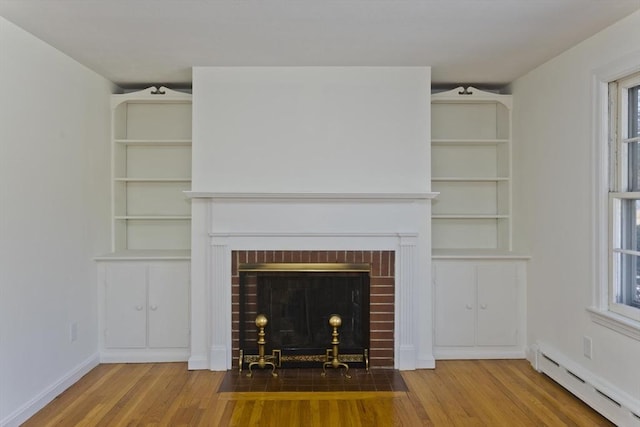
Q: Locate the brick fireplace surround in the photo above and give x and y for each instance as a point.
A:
(390, 230)
(382, 291)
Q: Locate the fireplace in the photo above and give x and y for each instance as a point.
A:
(298, 299)
(390, 232)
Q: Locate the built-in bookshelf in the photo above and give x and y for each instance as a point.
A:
(151, 170)
(471, 169)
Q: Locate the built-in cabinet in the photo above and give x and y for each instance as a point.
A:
(479, 307)
(151, 170)
(144, 310)
(471, 169)
(479, 283)
(144, 282)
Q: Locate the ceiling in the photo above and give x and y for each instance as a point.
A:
(489, 42)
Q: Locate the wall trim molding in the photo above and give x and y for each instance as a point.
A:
(218, 238)
(145, 356)
(395, 197)
(43, 398)
(615, 322)
(456, 353)
(197, 363)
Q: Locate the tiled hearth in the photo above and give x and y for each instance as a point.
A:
(382, 283)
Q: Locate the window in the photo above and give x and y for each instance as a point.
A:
(624, 197)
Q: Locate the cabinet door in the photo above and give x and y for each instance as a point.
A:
(125, 305)
(497, 304)
(455, 304)
(169, 305)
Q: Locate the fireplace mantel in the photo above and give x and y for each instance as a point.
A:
(223, 222)
(407, 197)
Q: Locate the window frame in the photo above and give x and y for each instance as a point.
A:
(619, 187)
(601, 311)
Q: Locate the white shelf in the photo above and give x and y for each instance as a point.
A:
(152, 179)
(455, 254)
(468, 216)
(148, 254)
(469, 141)
(153, 142)
(153, 217)
(468, 179)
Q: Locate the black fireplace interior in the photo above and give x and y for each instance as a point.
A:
(298, 305)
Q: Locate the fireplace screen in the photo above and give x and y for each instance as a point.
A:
(298, 300)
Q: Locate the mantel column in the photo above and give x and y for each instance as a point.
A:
(220, 314)
(405, 295)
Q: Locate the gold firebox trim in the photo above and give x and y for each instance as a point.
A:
(305, 267)
(277, 357)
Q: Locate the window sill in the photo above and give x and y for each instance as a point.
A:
(616, 322)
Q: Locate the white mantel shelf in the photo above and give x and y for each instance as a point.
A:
(477, 254)
(407, 197)
(145, 254)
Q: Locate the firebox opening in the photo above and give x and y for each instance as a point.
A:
(298, 299)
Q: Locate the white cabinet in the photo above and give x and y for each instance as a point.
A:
(479, 308)
(144, 309)
(471, 169)
(144, 281)
(151, 168)
(125, 302)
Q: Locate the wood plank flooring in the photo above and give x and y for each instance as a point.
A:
(457, 393)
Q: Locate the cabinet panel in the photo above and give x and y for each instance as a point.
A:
(479, 308)
(497, 304)
(169, 305)
(455, 304)
(144, 308)
(125, 305)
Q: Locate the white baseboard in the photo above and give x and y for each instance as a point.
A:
(198, 363)
(426, 363)
(27, 410)
(219, 358)
(613, 403)
(454, 353)
(406, 358)
(144, 356)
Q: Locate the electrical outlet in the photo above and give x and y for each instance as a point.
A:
(73, 331)
(587, 347)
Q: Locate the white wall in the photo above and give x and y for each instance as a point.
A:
(54, 206)
(554, 204)
(311, 129)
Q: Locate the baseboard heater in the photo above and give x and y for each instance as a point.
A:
(612, 404)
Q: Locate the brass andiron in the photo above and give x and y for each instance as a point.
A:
(335, 321)
(263, 361)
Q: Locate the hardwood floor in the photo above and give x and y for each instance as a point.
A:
(457, 393)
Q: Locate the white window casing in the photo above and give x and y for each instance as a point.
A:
(611, 142)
